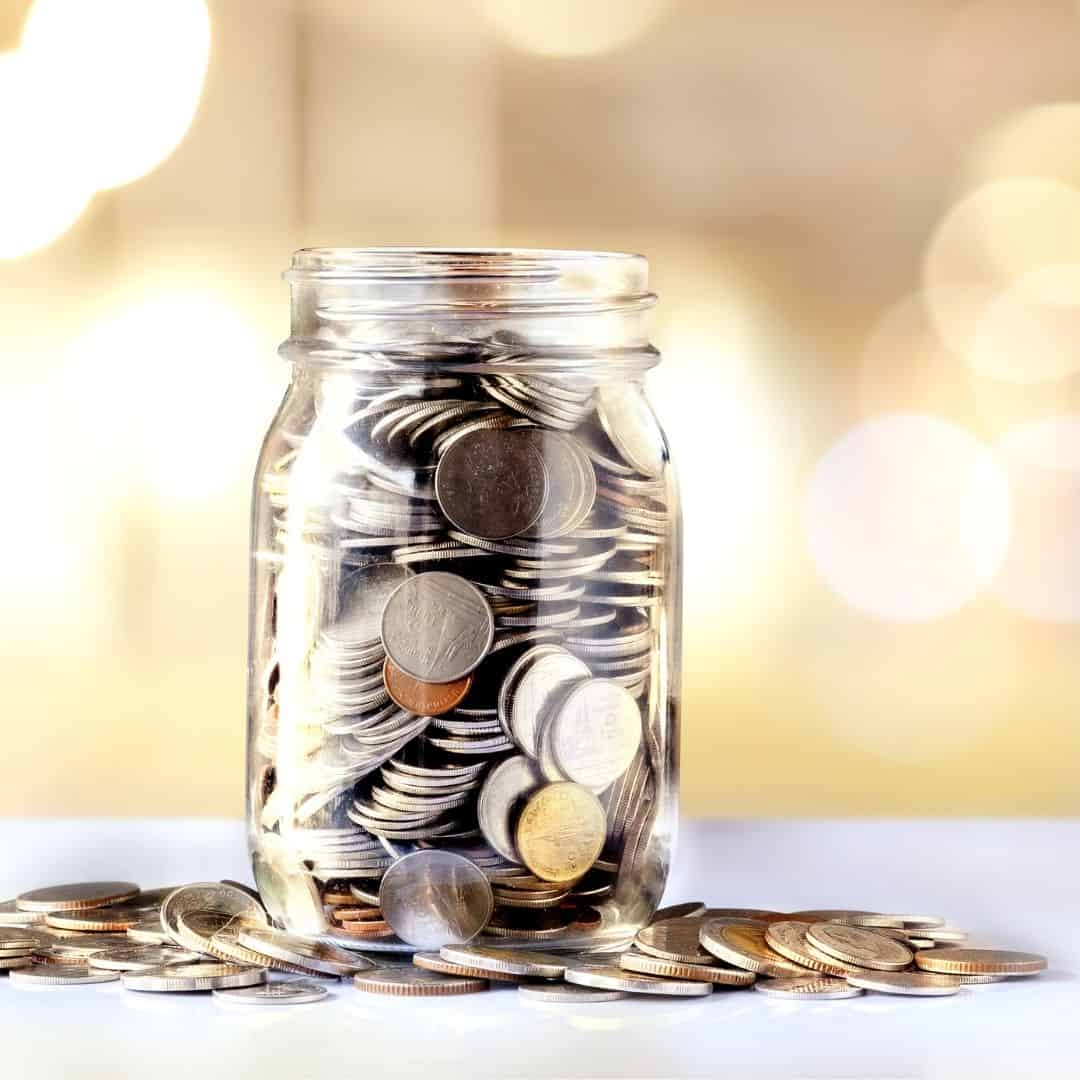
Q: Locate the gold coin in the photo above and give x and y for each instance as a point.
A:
(78, 896)
(432, 961)
(561, 832)
(789, 939)
(859, 946)
(676, 939)
(980, 962)
(416, 982)
(808, 988)
(100, 919)
(745, 947)
(644, 964)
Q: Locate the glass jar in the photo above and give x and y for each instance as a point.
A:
(465, 605)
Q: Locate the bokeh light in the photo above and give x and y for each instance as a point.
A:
(1041, 141)
(132, 73)
(572, 27)
(42, 192)
(908, 517)
(1041, 575)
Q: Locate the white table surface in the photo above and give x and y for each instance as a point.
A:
(1012, 884)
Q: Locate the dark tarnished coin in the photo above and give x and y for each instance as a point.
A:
(492, 484)
(423, 698)
(416, 982)
(78, 896)
(434, 898)
(437, 627)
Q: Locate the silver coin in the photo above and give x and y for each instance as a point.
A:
(807, 988)
(140, 958)
(595, 732)
(434, 898)
(364, 594)
(292, 992)
(207, 896)
(504, 790)
(492, 484)
(908, 983)
(505, 961)
(11, 938)
(629, 423)
(568, 993)
(12, 915)
(571, 483)
(437, 627)
(11, 960)
(61, 975)
(412, 981)
(187, 978)
(317, 955)
(539, 676)
(609, 977)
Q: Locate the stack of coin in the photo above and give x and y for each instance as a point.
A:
(464, 652)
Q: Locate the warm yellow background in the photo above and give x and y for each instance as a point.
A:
(786, 166)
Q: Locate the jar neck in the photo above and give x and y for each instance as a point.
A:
(462, 308)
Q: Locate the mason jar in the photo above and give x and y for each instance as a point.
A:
(465, 605)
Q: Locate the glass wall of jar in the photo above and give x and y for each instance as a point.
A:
(465, 605)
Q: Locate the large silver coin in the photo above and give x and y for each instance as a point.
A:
(908, 983)
(294, 992)
(492, 484)
(318, 955)
(609, 977)
(571, 483)
(569, 994)
(364, 595)
(437, 627)
(435, 898)
(537, 965)
(536, 680)
(629, 423)
(595, 733)
(61, 975)
(503, 793)
(209, 896)
(186, 978)
(140, 958)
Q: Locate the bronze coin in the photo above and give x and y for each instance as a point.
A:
(424, 698)
(77, 897)
(101, 919)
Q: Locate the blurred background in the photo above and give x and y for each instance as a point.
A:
(864, 225)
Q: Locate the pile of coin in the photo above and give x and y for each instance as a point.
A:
(462, 644)
(217, 936)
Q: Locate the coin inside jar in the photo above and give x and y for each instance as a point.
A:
(561, 832)
(423, 698)
(492, 484)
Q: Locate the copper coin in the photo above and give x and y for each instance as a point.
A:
(102, 919)
(344, 913)
(980, 962)
(432, 961)
(78, 896)
(424, 698)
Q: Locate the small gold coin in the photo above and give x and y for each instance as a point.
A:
(859, 946)
(808, 988)
(432, 961)
(78, 896)
(644, 964)
(416, 982)
(980, 962)
(677, 940)
(789, 939)
(561, 832)
(744, 946)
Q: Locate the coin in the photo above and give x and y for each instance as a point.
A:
(561, 831)
(416, 982)
(862, 947)
(11, 960)
(533, 683)
(317, 955)
(909, 983)
(101, 919)
(78, 896)
(12, 915)
(492, 484)
(645, 964)
(61, 975)
(437, 627)
(434, 898)
(506, 788)
(423, 698)
(364, 595)
(674, 939)
(744, 946)
(595, 732)
(506, 961)
(568, 993)
(980, 962)
(208, 896)
(139, 958)
(680, 911)
(898, 922)
(807, 988)
(187, 978)
(431, 961)
(629, 423)
(609, 977)
(293, 992)
(789, 939)
(16, 939)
